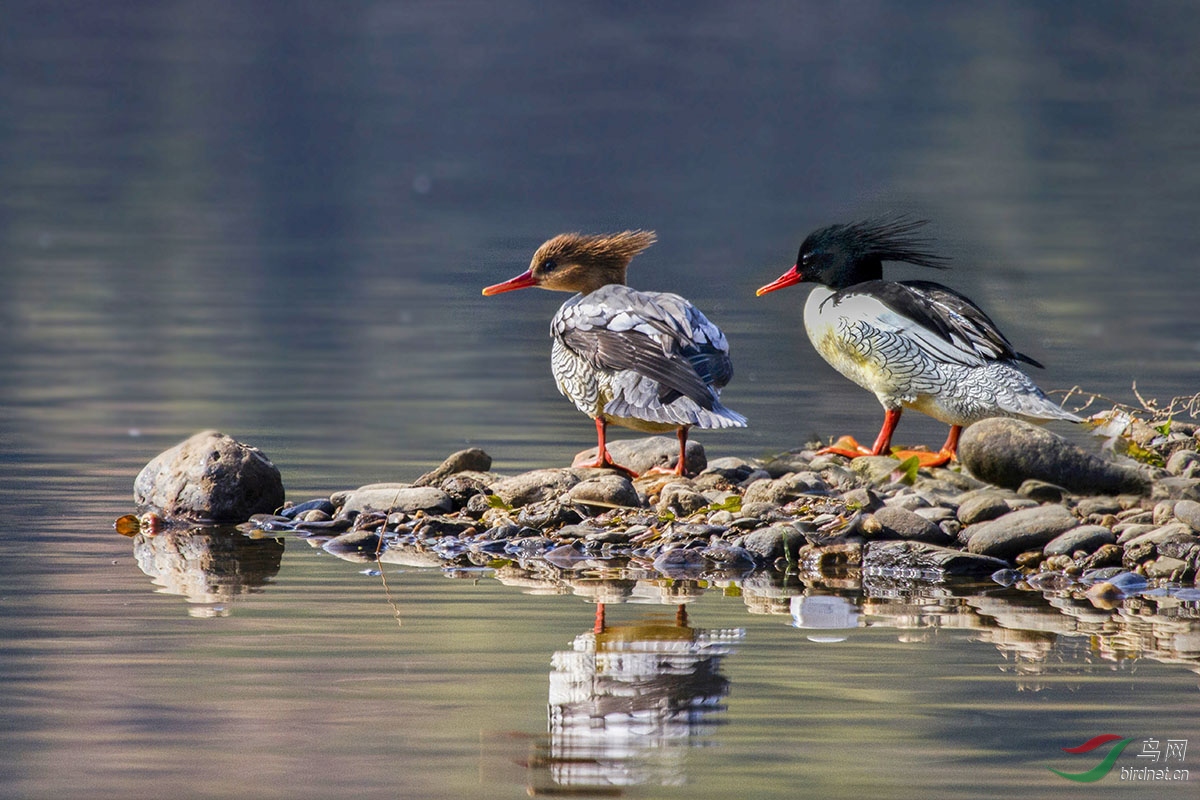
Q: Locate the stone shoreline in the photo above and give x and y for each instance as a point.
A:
(797, 511)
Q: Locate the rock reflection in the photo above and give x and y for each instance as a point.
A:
(210, 567)
(627, 701)
(1051, 625)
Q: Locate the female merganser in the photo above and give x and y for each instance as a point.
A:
(645, 360)
(915, 344)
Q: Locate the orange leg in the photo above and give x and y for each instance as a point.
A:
(679, 468)
(948, 453)
(849, 447)
(603, 460)
(598, 625)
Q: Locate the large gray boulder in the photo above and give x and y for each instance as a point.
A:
(1008, 452)
(209, 477)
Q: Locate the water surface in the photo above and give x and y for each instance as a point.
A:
(274, 219)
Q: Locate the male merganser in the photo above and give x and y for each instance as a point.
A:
(645, 360)
(915, 344)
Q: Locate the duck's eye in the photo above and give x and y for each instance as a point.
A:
(549, 265)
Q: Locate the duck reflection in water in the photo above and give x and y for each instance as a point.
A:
(627, 700)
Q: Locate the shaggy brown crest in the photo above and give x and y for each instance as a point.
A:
(581, 262)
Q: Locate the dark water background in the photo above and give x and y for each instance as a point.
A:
(274, 219)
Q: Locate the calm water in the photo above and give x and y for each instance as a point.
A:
(274, 219)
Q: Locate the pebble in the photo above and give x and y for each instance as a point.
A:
(1088, 538)
(1037, 526)
(1018, 531)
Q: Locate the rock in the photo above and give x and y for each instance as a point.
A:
(1007, 452)
(605, 491)
(1098, 505)
(894, 522)
(1188, 512)
(681, 563)
(470, 460)
(774, 543)
(531, 487)
(643, 455)
(1174, 533)
(875, 469)
(902, 558)
(1041, 491)
(982, 506)
(733, 470)
(1167, 568)
(1018, 531)
(462, 487)
(210, 477)
(1088, 538)
(546, 514)
(782, 491)
(681, 500)
(782, 464)
(1181, 460)
(389, 497)
(355, 546)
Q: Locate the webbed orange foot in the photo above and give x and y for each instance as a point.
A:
(925, 458)
(846, 446)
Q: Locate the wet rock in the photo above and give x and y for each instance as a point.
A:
(462, 487)
(983, 505)
(681, 563)
(209, 476)
(1088, 538)
(605, 491)
(531, 487)
(355, 545)
(1188, 512)
(1167, 568)
(918, 559)
(892, 522)
(1007, 452)
(389, 497)
(643, 455)
(547, 514)
(1014, 533)
(730, 557)
(297, 511)
(470, 460)
(774, 543)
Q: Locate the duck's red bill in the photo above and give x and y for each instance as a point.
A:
(522, 281)
(786, 279)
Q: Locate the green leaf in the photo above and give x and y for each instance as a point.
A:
(906, 473)
(1144, 455)
(732, 504)
(495, 502)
